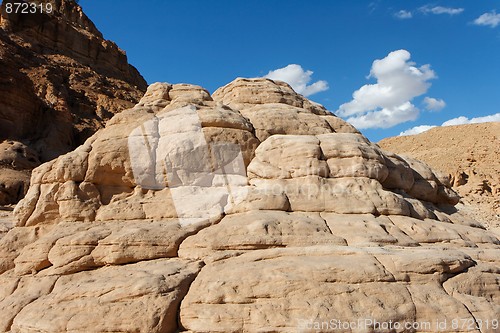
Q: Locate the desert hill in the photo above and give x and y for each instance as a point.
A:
(60, 81)
(470, 154)
(248, 210)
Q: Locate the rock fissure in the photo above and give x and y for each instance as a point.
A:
(477, 324)
(178, 310)
(414, 318)
(25, 304)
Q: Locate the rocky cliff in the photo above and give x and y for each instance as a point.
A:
(470, 155)
(251, 210)
(60, 81)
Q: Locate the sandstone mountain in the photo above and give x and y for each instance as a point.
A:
(248, 210)
(60, 81)
(470, 154)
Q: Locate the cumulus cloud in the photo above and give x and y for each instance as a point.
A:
(416, 130)
(491, 19)
(299, 79)
(455, 121)
(440, 10)
(386, 117)
(388, 102)
(433, 104)
(403, 14)
(464, 120)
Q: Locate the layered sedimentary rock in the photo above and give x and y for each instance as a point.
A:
(250, 210)
(60, 80)
(16, 162)
(470, 155)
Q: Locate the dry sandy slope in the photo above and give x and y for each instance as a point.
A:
(470, 154)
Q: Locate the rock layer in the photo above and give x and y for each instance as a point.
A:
(217, 215)
(60, 81)
(470, 155)
(16, 162)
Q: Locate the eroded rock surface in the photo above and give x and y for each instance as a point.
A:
(16, 162)
(250, 210)
(470, 155)
(60, 81)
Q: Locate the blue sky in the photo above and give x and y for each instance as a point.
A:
(440, 55)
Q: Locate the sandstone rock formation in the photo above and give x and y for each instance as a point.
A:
(60, 81)
(470, 155)
(6, 222)
(251, 210)
(16, 162)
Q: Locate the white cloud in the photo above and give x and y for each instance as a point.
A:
(299, 79)
(491, 19)
(372, 6)
(440, 10)
(403, 14)
(388, 102)
(416, 130)
(386, 117)
(455, 121)
(464, 120)
(433, 104)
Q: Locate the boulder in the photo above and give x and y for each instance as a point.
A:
(250, 210)
(16, 162)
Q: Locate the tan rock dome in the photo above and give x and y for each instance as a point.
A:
(253, 209)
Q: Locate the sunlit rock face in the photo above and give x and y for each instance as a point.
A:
(470, 154)
(60, 81)
(248, 210)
